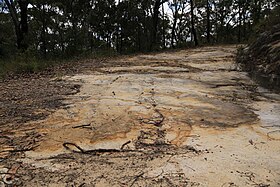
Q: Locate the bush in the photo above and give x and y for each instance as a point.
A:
(266, 24)
(21, 63)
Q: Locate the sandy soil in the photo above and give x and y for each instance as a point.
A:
(185, 118)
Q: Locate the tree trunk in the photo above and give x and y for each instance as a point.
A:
(155, 23)
(44, 32)
(192, 23)
(22, 43)
(61, 35)
(208, 21)
(174, 23)
(121, 41)
(155, 17)
(257, 6)
(163, 28)
(90, 33)
(74, 26)
(244, 24)
(21, 26)
(138, 36)
(239, 21)
(216, 24)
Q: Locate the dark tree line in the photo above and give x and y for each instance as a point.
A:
(66, 28)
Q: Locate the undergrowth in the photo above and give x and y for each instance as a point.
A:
(29, 63)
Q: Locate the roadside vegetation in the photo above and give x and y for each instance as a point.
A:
(262, 57)
(36, 34)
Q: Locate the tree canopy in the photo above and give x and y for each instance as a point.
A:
(66, 28)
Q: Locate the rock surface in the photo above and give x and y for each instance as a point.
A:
(185, 118)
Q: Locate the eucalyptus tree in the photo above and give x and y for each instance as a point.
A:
(66, 28)
(6, 36)
(180, 29)
(194, 33)
(20, 21)
(208, 7)
(155, 19)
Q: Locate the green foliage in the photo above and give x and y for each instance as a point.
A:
(28, 62)
(7, 39)
(272, 19)
(60, 29)
(22, 63)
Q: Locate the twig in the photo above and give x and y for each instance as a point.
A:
(154, 122)
(170, 158)
(66, 145)
(223, 85)
(161, 116)
(155, 176)
(128, 142)
(266, 127)
(83, 184)
(20, 150)
(81, 126)
(136, 178)
(81, 150)
(190, 168)
(8, 179)
(191, 148)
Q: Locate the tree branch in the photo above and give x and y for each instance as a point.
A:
(13, 12)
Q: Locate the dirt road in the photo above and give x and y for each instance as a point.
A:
(185, 118)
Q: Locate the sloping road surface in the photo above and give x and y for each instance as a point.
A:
(185, 118)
